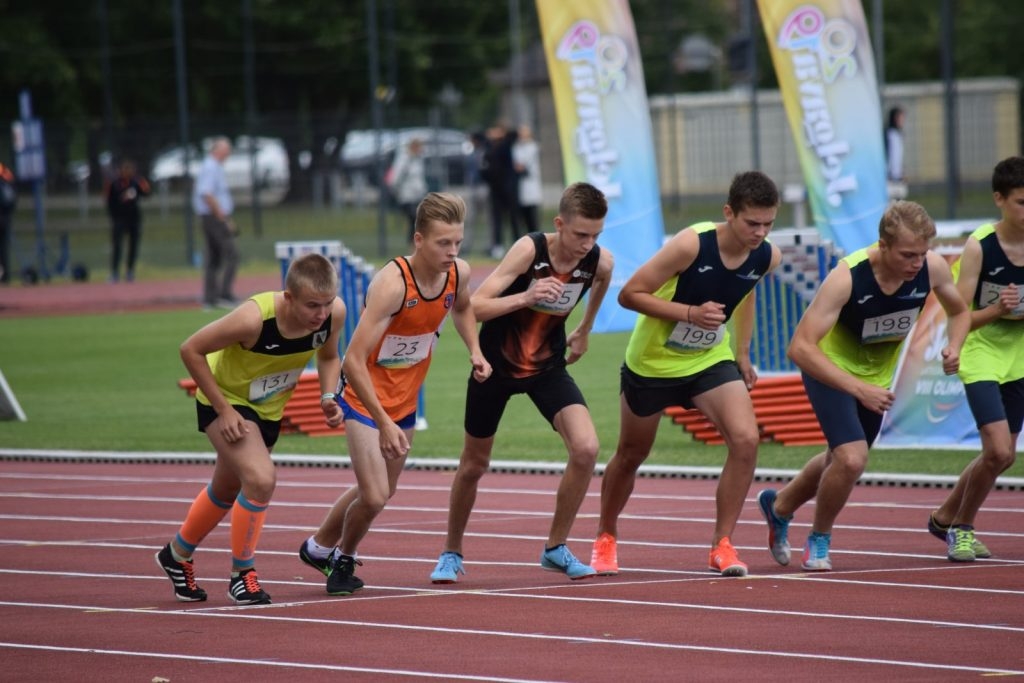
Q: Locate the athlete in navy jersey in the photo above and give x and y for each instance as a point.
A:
(846, 345)
(991, 276)
(680, 355)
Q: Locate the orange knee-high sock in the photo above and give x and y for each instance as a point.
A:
(203, 517)
(246, 523)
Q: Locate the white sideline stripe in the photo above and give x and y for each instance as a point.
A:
(338, 461)
(448, 631)
(262, 662)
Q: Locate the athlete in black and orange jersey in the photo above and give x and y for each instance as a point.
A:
(680, 355)
(524, 304)
(385, 365)
(246, 365)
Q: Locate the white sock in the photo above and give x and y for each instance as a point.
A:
(318, 551)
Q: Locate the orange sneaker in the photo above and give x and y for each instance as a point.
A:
(724, 560)
(603, 557)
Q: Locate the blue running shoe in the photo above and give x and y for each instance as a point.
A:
(816, 557)
(448, 568)
(559, 559)
(778, 527)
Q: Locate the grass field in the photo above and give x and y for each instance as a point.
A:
(110, 381)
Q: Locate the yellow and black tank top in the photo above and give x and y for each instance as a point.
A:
(872, 325)
(263, 377)
(994, 352)
(670, 349)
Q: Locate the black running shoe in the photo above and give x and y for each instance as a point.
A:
(181, 574)
(323, 566)
(342, 580)
(245, 589)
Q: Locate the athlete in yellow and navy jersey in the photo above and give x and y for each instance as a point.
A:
(991, 277)
(846, 346)
(680, 354)
(245, 366)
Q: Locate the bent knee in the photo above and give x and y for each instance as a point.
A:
(1001, 459)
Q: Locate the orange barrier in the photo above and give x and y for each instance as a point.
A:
(783, 414)
(302, 414)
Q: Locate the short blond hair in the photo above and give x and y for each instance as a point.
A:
(311, 272)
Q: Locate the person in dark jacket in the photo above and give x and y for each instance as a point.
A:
(125, 218)
(8, 199)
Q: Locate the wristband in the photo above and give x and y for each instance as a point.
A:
(329, 396)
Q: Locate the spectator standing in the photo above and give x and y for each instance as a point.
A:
(123, 196)
(408, 181)
(8, 200)
(894, 154)
(502, 184)
(476, 193)
(526, 161)
(211, 201)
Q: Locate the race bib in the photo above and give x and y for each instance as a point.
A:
(563, 304)
(889, 327)
(989, 295)
(690, 337)
(401, 351)
(263, 388)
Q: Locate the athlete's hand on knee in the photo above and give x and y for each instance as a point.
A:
(393, 444)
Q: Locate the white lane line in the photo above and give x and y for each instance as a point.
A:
(276, 663)
(629, 643)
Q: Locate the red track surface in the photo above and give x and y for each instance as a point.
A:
(83, 599)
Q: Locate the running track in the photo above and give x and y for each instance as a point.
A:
(84, 601)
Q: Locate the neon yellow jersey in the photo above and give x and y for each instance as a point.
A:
(872, 326)
(994, 352)
(264, 377)
(669, 348)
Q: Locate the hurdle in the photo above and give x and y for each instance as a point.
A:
(783, 295)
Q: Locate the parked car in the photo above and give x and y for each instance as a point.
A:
(272, 172)
(446, 151)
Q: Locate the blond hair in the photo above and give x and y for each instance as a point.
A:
(909, 215)
(443, 207)
(311, 272)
